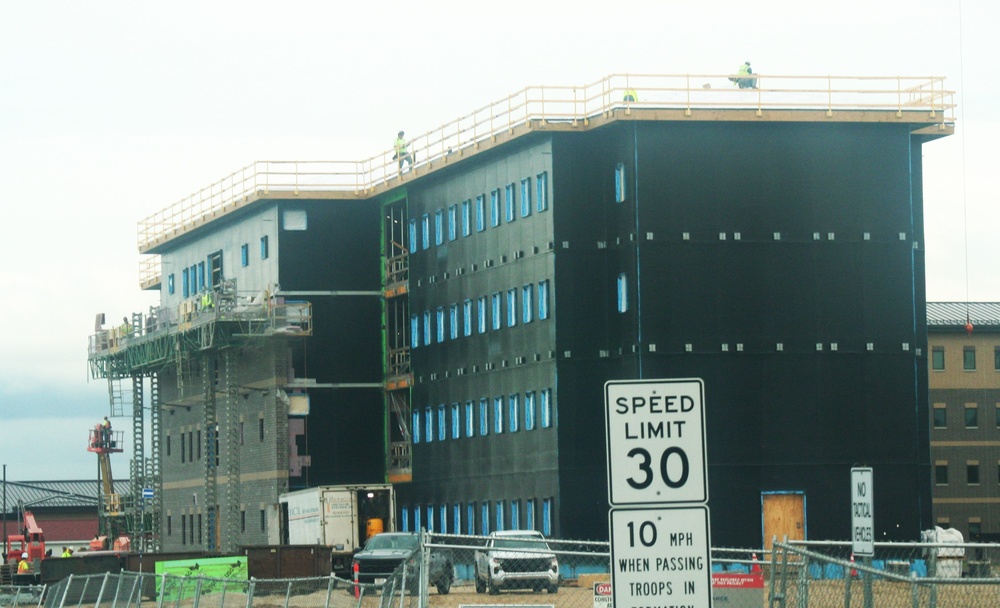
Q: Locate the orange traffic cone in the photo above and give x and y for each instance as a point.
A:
(755, 567)
(854, 573)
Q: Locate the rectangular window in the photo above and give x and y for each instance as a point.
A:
(265, 250)
(997, 415)
(511, 307)
(941, 474)
(937, 358)
(484, 418)
(191, 446)
(620, 183)
(969, 358)
(201, 276)
(439, 227)
(185, 283)
(484, 518)
(443, 513)
(542, 191)
(940, 416)
(515, 514)
(527, 306)
(405, 513)
(495, 208)
(416, 518)
(480, 213)
(498, 415)
(260, 429)
(415, 330)
(547, 517)
(513, 411)
(430, 518)
(183, 450)
(546, 408)
(972, 472)
(529, 411)
(168, 445)
(428, 335)
(971, 416)
(996, 351)
(481, 315)
(243, 521)
(497, 310)
(215, 268)
(499, 515)
(244, 254)
(543, 299)
(466, 220)
(199, 444)
(470, 422)
(170, 525)
(415, 425)
(526, 197)
(456, 518)
(509, 203)
(470, 518)
(425, 231)
(428, 424)
(170, 284)
(456, 421)
(529, 514)
(184, 529)
(453, 321)
(199, 528)
(452, 222)
(413, 236)
(467, 318)
(622, 293)
(440, 324)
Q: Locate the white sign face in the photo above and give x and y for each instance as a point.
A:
(660, 557)
(656, 442)
(862, 513)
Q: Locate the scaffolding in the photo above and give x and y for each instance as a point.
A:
(398, 373)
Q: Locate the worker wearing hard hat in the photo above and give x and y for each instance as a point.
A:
(24, 566)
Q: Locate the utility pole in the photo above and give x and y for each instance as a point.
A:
(5, 508)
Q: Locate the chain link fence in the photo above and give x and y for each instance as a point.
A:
(457, 571)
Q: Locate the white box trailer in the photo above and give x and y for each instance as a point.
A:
(340, 517)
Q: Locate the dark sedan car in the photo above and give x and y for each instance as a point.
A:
(384, 552)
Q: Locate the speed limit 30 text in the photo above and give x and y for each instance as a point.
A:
(654, 404)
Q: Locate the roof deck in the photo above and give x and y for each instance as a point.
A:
(920, 101)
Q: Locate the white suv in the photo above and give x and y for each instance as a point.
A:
(516, 559)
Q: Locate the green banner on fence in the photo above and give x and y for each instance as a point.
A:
(176, 586)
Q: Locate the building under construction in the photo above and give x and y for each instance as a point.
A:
(448, 325)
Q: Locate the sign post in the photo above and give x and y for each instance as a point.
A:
(658, 490)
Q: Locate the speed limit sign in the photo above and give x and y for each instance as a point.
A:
(656, 442)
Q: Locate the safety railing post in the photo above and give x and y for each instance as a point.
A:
(100, 592)
(329, 590)
(163, 589)
(915, 590)
(250, 590)
(829, 95)
(687, 90)
(288, 593)
(899, 97)
(803, 582)
(197, 593)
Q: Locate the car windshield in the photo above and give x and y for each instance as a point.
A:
(406, 542)
(519, 542)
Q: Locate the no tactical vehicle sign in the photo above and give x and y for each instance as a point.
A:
(656, 442)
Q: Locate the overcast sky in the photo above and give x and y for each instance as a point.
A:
(111, 111)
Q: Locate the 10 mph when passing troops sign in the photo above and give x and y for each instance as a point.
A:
(656, 442)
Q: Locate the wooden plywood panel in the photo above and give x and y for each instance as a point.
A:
(784, 515)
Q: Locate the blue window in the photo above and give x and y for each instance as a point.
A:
(547, 517)
(467, 318)
(527, 306)
(428, 424)
(452, 222)
(264, 249)
(622, 285)
(481, 315)
(484, 418)
(244, 255)
(170, 283)
(484, 518)
(470, 518)
(416, 426)
(509, 202)
(515, 514)
(499, 515)
(456, 518)
(529, 514)
(543, 299)
(470, 423)
(440, 324)
(511, 307)
(529, 410)
(526, 197)
(406, 518)
(480, 213)
(513, 411)
(498, 415)
(453, 321)
(495, 208)
(430, 518)
(425, 230)
(185, 282)
(416, 517)
(442, 423)
(414, 243)
(456, 421)
(546, 408)
(542, 191)
(439, 227)
(427, 328)
(443, 511)
(201, 276)
(497, 311)
(415, 330)
(620, 183)
(466, 221)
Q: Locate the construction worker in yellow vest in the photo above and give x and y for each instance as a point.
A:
(206, 300)
(401, 152)
(630, 96)
(24, 566)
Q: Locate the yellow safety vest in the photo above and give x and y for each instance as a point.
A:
(23, 566)
(630, 93)
(400, 145)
